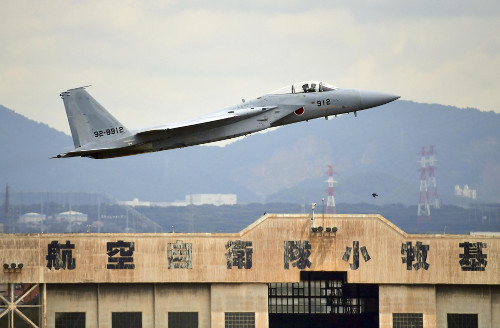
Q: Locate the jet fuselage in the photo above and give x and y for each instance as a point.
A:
(97, 134)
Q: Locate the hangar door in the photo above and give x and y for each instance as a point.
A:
(322, 299)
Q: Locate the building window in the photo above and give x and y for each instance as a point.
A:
(126, 320)
(70, 319)
(240, 319)
(407, 320)
(183, 320)
(462, 320)
(322, 294)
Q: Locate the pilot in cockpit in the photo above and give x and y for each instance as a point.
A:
(305, 87)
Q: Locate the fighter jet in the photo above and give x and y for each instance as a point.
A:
(97, 134)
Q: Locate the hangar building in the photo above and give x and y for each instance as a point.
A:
(284, 270)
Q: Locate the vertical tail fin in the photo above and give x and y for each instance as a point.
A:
(88, 120)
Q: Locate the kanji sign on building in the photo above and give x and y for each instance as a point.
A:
(473, 258)
(239, 254)
(297, 252)
(417, 254)
(125, 252)
(60, 256)
(180, 255)
(355, 255)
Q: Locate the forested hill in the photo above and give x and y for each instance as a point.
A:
(374, 152)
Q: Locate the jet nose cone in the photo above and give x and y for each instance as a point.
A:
(373, 98)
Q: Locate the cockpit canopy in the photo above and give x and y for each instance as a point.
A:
(304, 87)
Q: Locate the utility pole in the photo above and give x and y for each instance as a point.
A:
(6, 209)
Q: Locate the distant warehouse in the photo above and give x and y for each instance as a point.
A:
(32, 218)
(192, 199)
(72, 216)
(211, 199)
(284, 270)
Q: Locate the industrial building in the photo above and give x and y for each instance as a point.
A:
(284, 270)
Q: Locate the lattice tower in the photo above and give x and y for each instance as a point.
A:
(423, 197)
(330, 201)
(431, 179)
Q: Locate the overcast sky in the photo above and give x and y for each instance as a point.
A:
(154, 62)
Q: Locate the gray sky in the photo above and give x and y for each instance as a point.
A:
(154, 62)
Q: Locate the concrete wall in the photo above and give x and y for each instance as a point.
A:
(182, 298)
(407, 299)
(435, 302)
(239, 298)
(482, 300)
(73, 298)
(126, 298)
(212, 301)
(495, 304)
(99, 301)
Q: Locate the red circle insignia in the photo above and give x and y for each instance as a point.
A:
(299, 111)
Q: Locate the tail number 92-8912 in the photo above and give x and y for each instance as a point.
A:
(108, 132)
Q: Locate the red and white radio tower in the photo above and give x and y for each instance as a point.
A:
(423, 198)
(431, 180)
(330, 201)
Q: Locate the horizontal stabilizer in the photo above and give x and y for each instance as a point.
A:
(108, 152)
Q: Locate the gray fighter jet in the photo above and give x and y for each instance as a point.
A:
(97, 134)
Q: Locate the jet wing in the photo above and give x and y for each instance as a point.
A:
(203, 123)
